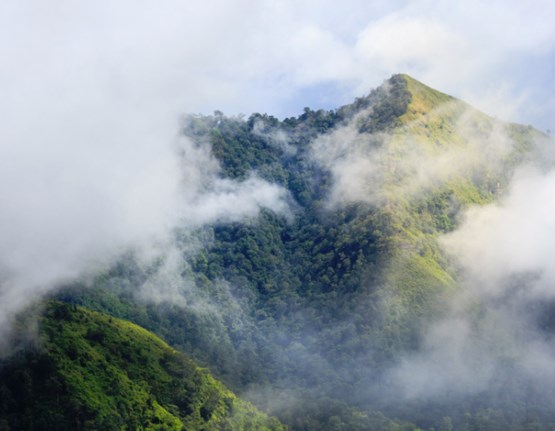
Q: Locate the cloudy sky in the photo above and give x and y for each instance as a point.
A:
(277, 56)
(92, 93)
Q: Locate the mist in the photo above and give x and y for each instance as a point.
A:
(496, 329)
(493, 337)
(378, 167)
(500, 241)
(92, 163)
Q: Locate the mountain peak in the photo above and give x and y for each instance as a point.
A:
(401, 99)
(423, 98)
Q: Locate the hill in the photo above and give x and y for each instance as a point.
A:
(90, 371)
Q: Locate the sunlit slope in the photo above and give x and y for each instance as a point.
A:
(442, 157)
(92, 371)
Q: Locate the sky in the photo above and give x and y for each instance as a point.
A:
(91, 160)
(278, 56)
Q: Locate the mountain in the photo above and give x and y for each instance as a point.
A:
(325, 314)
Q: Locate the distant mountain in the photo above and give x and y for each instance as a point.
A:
(309, 313)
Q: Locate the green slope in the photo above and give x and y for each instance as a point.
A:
(94, 372)
(425, 187)
(442, 157)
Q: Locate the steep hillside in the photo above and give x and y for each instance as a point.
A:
(89, 371)
(441, 158)
(308, 314)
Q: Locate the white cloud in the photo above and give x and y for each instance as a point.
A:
(417, 45)
(504, 252)
(246, 56)
(516, 237)
(90, 162)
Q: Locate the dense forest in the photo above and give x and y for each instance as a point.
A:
(306, 313)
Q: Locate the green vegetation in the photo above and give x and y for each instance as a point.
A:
(95, 372)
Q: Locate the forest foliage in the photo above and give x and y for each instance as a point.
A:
(90, 371)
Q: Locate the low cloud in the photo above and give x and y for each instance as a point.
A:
(58, 225)
(497, 326)
(278, 138)
(376, 167)
(355, 161)
(83, 184)
(500, 241)
(91, 164)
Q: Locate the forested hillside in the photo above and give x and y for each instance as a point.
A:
(91, 371)
(314, 313)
